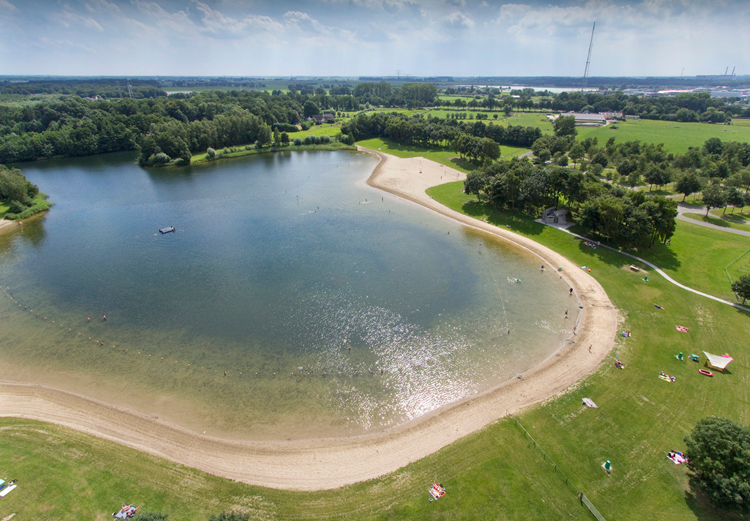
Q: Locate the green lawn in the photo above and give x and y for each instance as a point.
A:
(738, 215)
(677, 137)
(718, 220)
(494, 473)
(3, 209)
(444, 156)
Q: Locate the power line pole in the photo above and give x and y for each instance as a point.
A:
(588, 60)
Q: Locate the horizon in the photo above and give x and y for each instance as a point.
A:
(354, 38)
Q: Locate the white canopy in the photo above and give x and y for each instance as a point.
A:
(718, 362)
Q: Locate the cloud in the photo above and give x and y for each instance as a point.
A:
(217, 23)
(304, 21)
(94, 6)
(66, 18)
(459, 21)
(7, 5)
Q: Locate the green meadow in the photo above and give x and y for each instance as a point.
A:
(718, 219)
(677, 137)
(495, 473)
(444, 155)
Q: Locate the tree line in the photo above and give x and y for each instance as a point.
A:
(687, 107)
(476, 140)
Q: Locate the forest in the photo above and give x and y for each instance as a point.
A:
(475, 140)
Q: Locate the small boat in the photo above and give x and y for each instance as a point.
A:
(705, 372)
(168, 229)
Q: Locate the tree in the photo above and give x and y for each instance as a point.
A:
(264, 135)
(714, 196)
(210, 153)
(577, 152)
(565, 126)
(688, 184)
(719, 453)
(284, 138)
(310, 109)
(490, 149)
(735, 198)
(742, 288)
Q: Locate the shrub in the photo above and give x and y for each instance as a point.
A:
(325, 139)
(258, 145)
(210, 153)
(159, 159)
(298, 141)
(16, 207)
(347, 139)
(285, 127)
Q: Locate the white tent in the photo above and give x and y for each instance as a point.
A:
(718, 362)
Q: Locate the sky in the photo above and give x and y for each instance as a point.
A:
(373, 37)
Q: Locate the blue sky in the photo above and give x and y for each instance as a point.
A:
(372, 37)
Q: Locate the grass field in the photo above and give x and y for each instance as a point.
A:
(677, 137)
(443, 156)
(3, 210)
(495, 473)
(718, 221)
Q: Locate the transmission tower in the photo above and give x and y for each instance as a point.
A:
(130, 90)
(588, 60)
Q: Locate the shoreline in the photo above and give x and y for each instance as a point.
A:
(319, 464)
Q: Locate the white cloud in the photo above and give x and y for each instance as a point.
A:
(66, 18)
(217, 23)
(304, 21)
(94, 6)
(7, 5)
(459, 20)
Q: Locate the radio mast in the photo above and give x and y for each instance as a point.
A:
(588, 60)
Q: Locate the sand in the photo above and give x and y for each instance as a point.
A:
(6, 226)
(335, 462)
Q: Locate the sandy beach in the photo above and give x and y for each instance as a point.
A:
(6, 226)
(331, 463)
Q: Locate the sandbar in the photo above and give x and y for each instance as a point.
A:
(318, 464)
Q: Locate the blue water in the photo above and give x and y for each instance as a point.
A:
(279, 261)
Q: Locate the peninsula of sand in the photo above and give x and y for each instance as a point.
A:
(329, 463)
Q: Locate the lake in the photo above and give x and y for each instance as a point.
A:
(292, 301)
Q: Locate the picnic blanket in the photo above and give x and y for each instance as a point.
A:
(588, 402)
(7, 490)
(677, 457)
(682, 328)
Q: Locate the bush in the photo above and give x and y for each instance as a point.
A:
(16, 207)
(159, 159)
(285, 127)
(298, 141)
(210, 153)
(258, 145)
(325, 139)
(347, 139)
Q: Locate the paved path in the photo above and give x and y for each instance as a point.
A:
(683, 208)
(660, 272)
